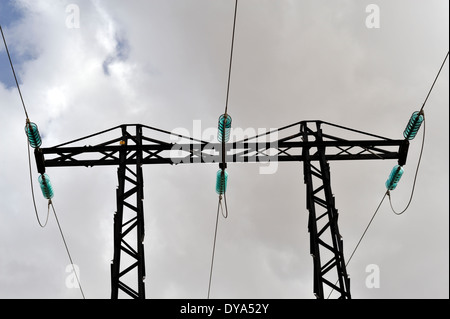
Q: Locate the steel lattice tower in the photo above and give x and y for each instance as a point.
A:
(135, 145)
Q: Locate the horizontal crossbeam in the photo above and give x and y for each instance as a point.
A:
(237, 152)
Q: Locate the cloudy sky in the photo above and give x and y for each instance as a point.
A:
(164, 63)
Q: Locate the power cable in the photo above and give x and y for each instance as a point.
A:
(14, 73)
(231, 57)
(32, 192)
(421, 112)
(223, 164)
(213, 249)
(224, 212)
(387, 193)
(362, 236)
(50, 204)
(415, 175)
(365, 230)
(27, 121)
(435, 79)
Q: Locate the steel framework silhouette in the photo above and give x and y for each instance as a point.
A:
(132, 145)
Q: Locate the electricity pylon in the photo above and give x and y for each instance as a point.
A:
(134, 145)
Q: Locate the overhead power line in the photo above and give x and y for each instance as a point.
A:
(32, 193)
(421, 113)
(231, 56)
(33, 136)
(214, 245)
(388, 193)
(14, 73)
(435, 79)
(415, 176)
(223, 136)
(50, 203)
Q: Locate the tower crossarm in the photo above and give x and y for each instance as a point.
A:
(271, 146)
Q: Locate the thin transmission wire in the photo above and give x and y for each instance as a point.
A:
(50, 203)
(387, 193)
(219, 205)
(365, 230)
(435, 79)
(362, 236)
(32, 192)
(231, 57)
(213, 250)
(423, 144)
(27, 121)
(415, 176)
(14, 73)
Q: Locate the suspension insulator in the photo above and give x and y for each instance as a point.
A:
(32, 132)
(394, 177)
(413, 125)
(224, 128)
(221, 182)
(46, 186)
